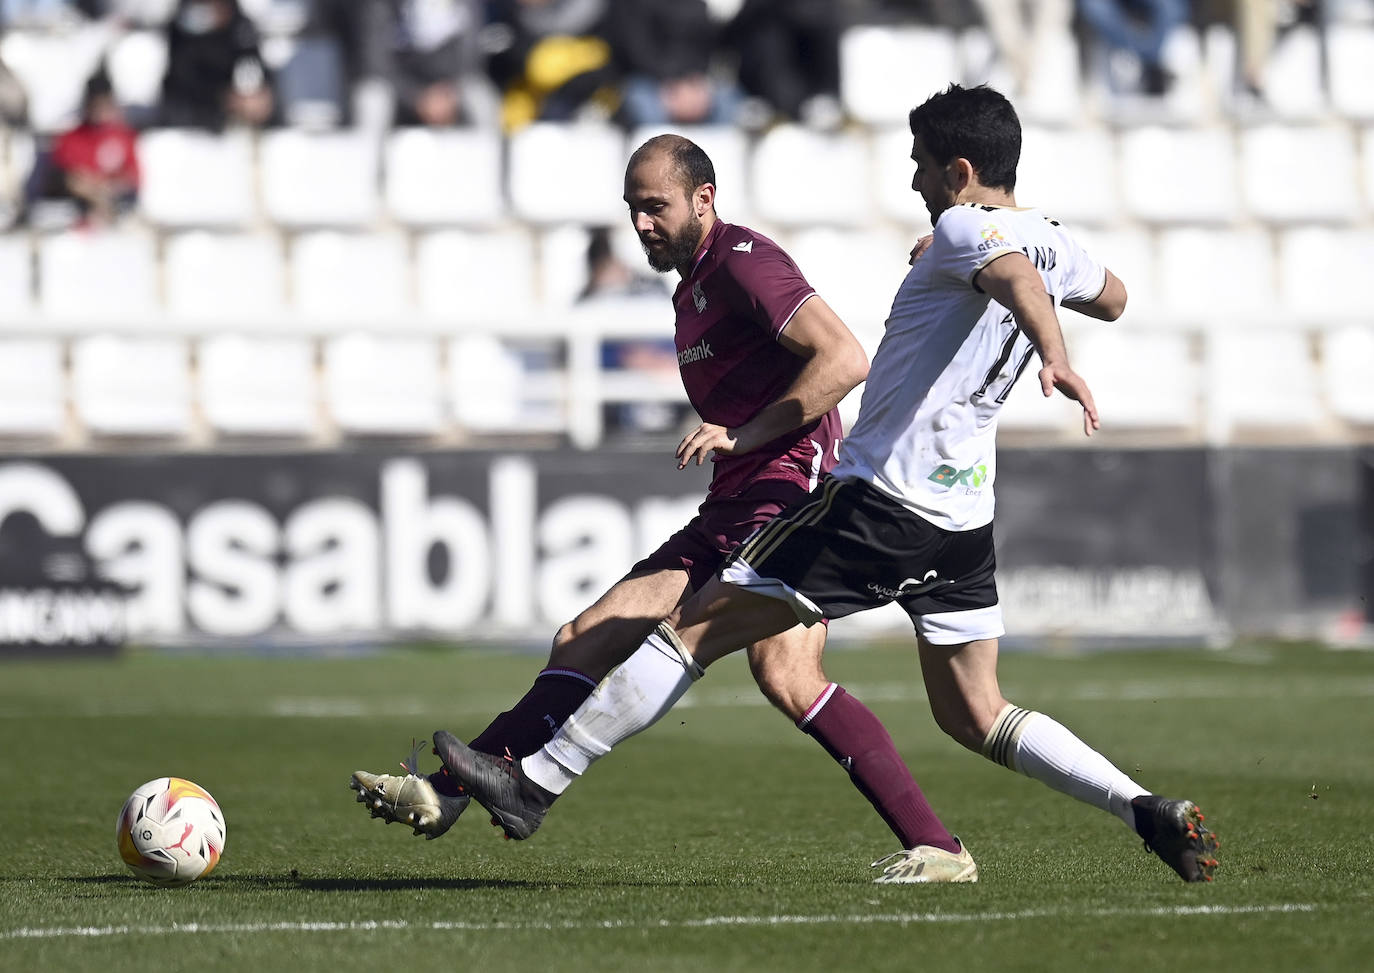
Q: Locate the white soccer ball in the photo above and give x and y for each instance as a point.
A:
(170, 832)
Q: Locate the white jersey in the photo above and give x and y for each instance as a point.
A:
(927, 422)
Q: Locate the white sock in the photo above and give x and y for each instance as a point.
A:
(631, 699)
(1045, 750)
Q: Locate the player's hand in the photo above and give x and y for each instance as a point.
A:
(922, 245)
(1071, 384)
(702, 441)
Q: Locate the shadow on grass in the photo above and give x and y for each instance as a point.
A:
(315, 884)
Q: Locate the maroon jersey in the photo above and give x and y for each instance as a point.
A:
(731, 309)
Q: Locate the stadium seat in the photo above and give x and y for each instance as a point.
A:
(98, 277)
(856, 272)
(444, 177)
(386, 386)
(345, 279)
(258, 386)
(136, 63)
(1129, 254)
(16, 275)
(475, 278)
(193, 178)
(885, 70)
(1141, 379)
(1276, 173)
(1263, 380)
(33, 399)
(560, 173)
(1294, 77)
(728, 148)
(1204, 273)
(124, 386)
(1178, 175)
(486, 383)
(52, 67)
(1349, 54)
(1367, 170)
(319, 179)
(1316, 265)
(892, 168)
(1347, 360)
(233, 280)
(831, 188)
(1068, 174)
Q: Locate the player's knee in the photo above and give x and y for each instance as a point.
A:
(958, 723)
(561, 652)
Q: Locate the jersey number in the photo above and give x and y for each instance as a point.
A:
(1008, 346)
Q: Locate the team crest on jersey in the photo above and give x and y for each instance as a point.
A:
(699, 297)
(992, 238)
(747, 246)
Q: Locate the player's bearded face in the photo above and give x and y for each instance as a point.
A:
(668, 249)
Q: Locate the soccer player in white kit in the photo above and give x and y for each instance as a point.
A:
(907, 513)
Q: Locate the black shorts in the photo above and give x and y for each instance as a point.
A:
(850, 547)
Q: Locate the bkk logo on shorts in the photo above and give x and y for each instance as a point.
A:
(698, 352)
(948, 476)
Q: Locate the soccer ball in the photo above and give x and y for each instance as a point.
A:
(170, 832)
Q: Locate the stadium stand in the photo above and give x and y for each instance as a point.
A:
(397, 280)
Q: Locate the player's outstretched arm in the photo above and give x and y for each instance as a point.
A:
(1012, 281)
(835, 364)
(1106, 306)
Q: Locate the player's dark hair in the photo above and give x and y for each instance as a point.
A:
(691, 165)
(977, 124)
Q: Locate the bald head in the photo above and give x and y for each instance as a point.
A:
(689, 165)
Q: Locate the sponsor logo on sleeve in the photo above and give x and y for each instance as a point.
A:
(992, 238)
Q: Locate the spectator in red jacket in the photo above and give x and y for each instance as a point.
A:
(96, 163)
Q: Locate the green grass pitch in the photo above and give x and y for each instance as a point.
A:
(721, 839)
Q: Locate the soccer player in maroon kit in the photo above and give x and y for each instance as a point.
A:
(764, 361)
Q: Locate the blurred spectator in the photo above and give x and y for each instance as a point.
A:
(215, 74)
(789, 57)
(610, 278)
(1139, 28)
(1258, 24)
(43, 14)
(664, 51)
(1021, 28)
(95, 164)
(550, 59)
(436, 66)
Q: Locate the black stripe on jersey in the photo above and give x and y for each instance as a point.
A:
(765, 541)
(1003, 357)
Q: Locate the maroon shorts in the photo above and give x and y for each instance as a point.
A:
(721, 525)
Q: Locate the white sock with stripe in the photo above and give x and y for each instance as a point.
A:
(632, 698)
(1039, 747)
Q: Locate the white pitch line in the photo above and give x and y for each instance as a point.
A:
(890, 918)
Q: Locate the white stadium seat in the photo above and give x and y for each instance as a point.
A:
(475, 278)
(1204, 273)
(438, 177)
(1349, 54)
(1293, 76)
(567, 173)
(1130, 255)
(98, 277)
(486, 382)
(227, 279)
(125, 386)
(856, 272)
(137, 62)
(892, 171)
(885, 71)
(52, 67)
(728, 149)
(350, 278)
(1277, 179)
(16, 274)
(1347, 362)
(803, 178)
(193, 178)
(1367, 170)
(33, 399)
(324, 179)
(1068, 174)
(1141, 379)
(1178, 175)
(1263, 379)
(375, 385)
(1316, 268)
(258, 386)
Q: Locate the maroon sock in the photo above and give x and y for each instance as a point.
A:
(858, 740)
(531, 722)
